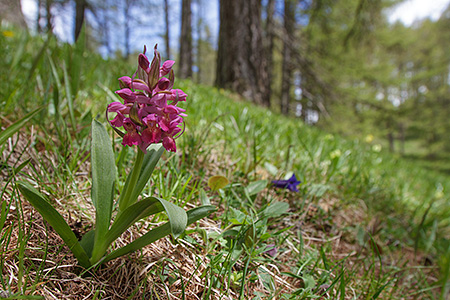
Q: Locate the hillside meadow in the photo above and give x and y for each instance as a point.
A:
(364, 224)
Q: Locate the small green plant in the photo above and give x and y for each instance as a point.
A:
(148, 120)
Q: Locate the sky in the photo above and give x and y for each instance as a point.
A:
(406, 12)
(63, 26)
(411, 10)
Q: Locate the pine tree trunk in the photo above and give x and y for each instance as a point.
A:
(402, 138)
(241, 61)
(104, 23)
(270, 34)
(166, 35)
(185, 60)
(126, 16)
(48, 6)
(11, 11)
(80, 7)
(38, 17)
(286, 82)
(198, 61)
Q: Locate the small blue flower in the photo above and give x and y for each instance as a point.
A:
(290, 184)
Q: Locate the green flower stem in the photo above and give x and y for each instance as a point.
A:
(125, 197)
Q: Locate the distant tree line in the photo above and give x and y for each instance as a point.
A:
(339, 65)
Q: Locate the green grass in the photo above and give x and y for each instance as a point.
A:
(365, 224)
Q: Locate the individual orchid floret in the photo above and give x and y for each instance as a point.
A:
(144, 63)
(132, 137)
(166, 67)
(290, 184)
(176, 96)
(127, 95)
(146, 115)
(169, 143)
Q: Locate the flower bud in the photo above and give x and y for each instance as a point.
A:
(166, 67)
(127, 95)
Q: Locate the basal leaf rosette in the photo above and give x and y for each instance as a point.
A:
(150, 112)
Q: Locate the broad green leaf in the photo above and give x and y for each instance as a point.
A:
(271, 168)
(124, 220)
(3, 214)
(255, 187)
(217, 182)
(318, 189)
(309, 281)
(11, 130)
(153, 235)
(204, 199)
(237, 217)
(361, 236)
(177, 217)
(274, 210)
(56, 221)
(87, 242)
(103, 177)
(151, 158)
(131, 215)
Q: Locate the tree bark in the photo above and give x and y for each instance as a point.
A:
(103, 18)
(126, 15)
(80, 8)
(289, 30)
(11, 11)
(270, 35)
(38, 17)
(198, 61)
(241, 61)
(186, 40)
(402, 138)
(167, 33)
(48, 10)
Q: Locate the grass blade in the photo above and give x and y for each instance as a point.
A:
(69, 97)
(8, 132)
(77, 61)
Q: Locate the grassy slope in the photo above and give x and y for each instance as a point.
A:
(350, 232)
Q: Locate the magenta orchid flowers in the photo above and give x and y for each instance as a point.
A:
(149, 114)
